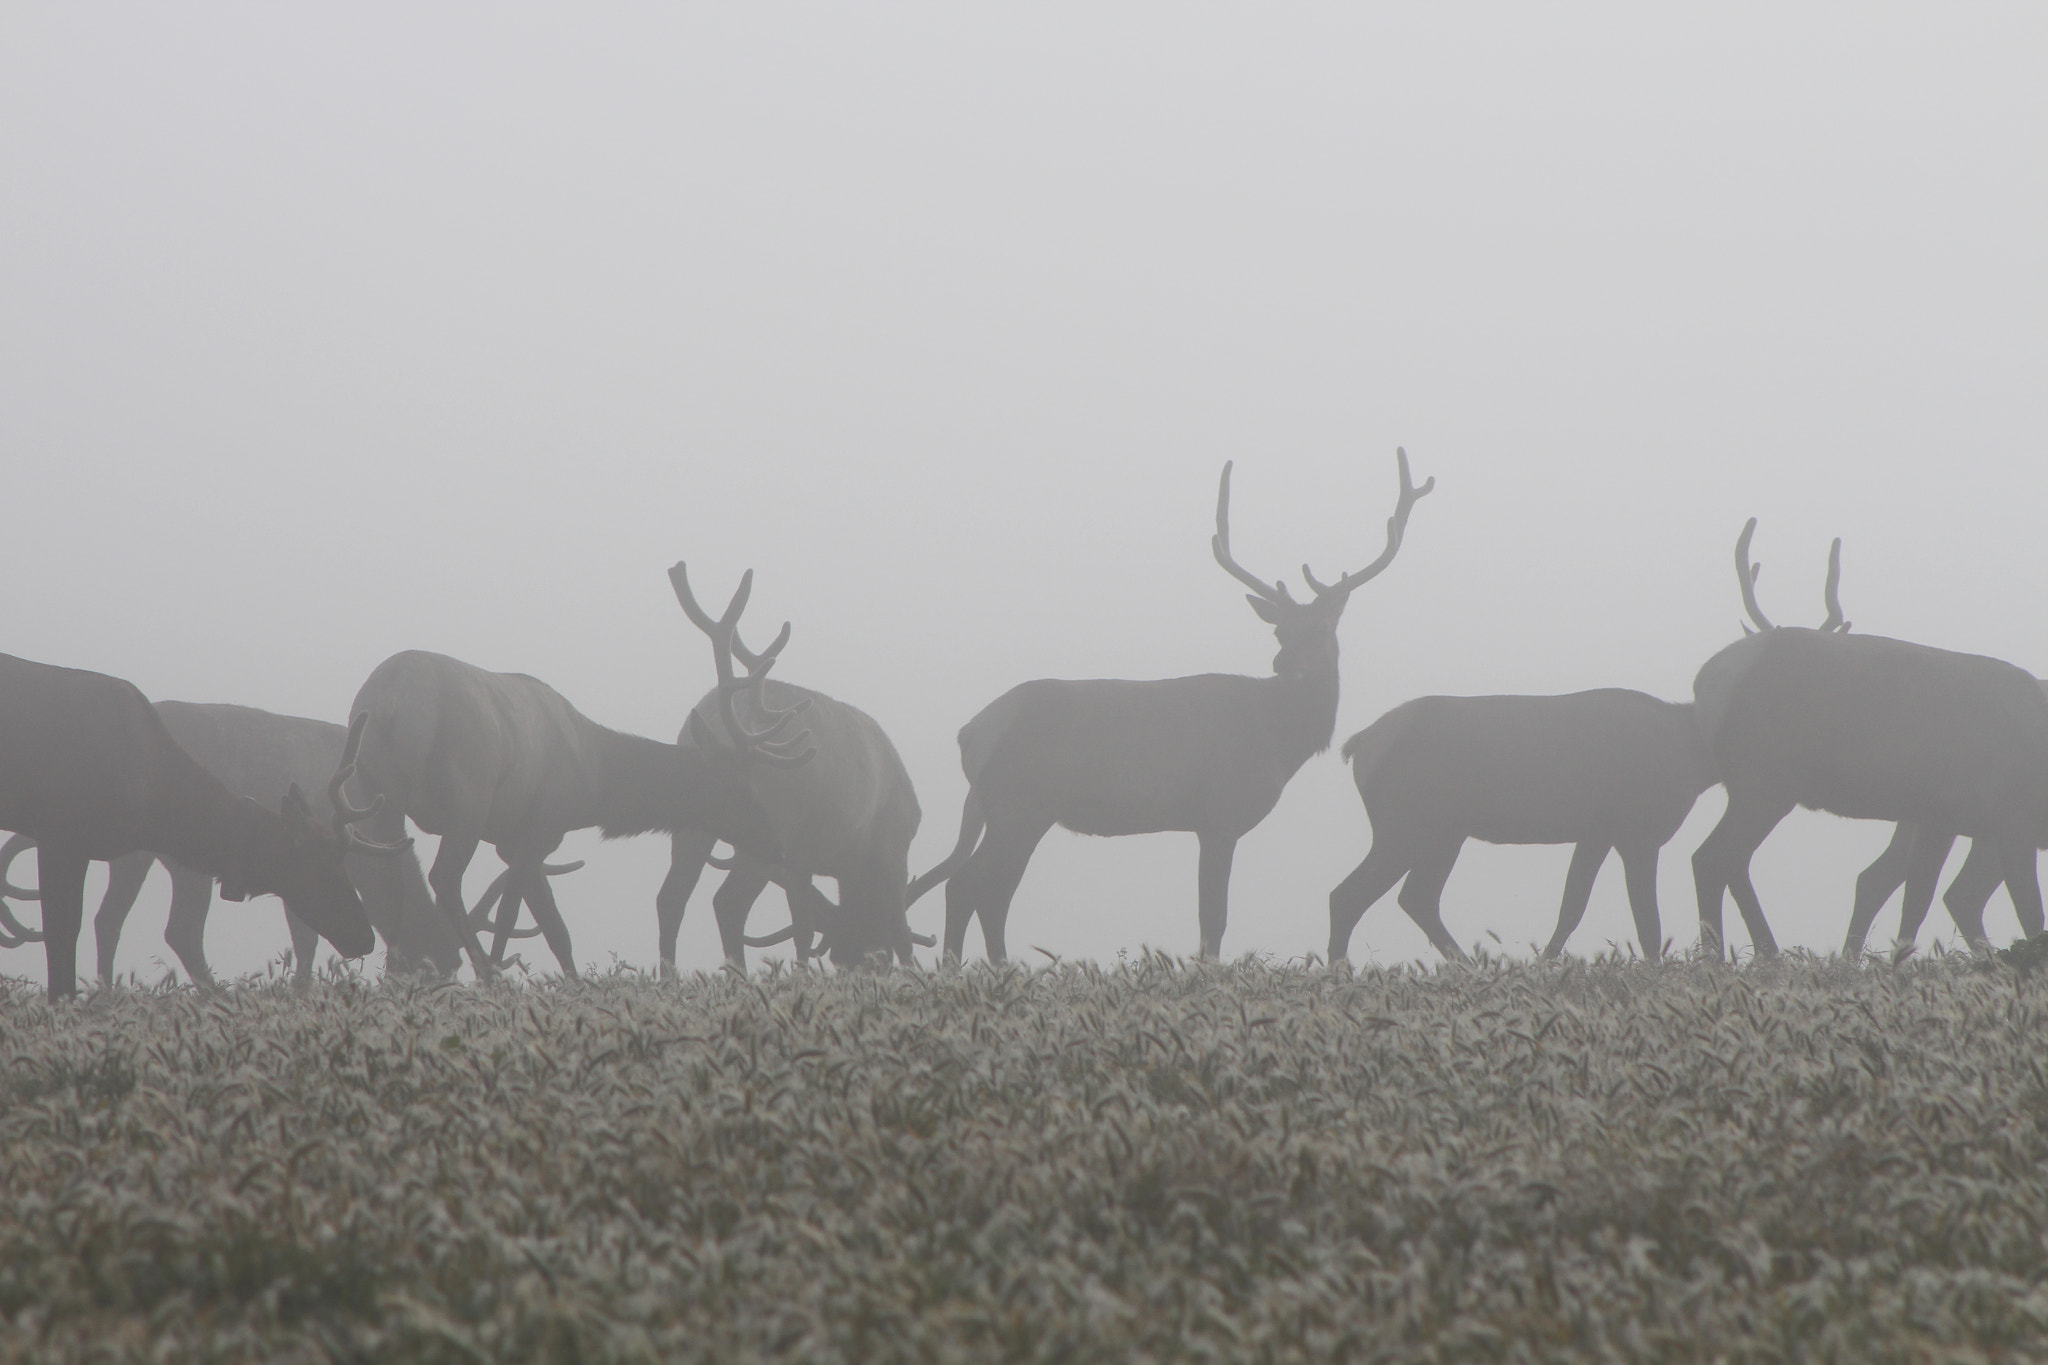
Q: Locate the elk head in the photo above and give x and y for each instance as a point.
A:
(300, 860)
(1746, 572)
(768, 742)
(1307, 631)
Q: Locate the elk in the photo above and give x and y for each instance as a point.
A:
(1872, 729)
(256, 752)
(1972, 887)
(1604, 770)
(836, 793)
(89, 771)
(1208, 754)
(502, 758)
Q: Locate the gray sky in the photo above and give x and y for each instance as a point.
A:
(329, 334)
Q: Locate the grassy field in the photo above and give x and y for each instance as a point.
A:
(1805, 1160)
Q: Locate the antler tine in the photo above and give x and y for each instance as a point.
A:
(1220, 545)
(1397, 527)
(1835, 621)
(757, 673)
(345, 814)
(722, 630)
(1745, 574)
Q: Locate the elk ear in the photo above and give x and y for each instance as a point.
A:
(1268, 612)
(298, 816)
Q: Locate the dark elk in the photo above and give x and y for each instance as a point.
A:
(502, 758)
(256, 753)
(1872, 729)
(835, 792)
(89, 771)
(1208, 754)
(1605, 770)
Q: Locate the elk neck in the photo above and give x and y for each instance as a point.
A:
(638, 785)
(1301, 709)
(202, 824)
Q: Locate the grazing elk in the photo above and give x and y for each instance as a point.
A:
(1208, 754)
(1872, 729)
(89, 770)
(502, 758)
(254, 753)
(836, 792)
(1607, 769)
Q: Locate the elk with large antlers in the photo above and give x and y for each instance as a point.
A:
(836, 793)
(89, 771)
(502, 758)
(255, 753)
(1208, 754)
(1873, 729)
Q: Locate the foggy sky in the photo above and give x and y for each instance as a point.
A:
(329, 334)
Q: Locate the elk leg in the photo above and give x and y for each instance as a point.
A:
(2022, 879)
(1212, 890)
(306, 947)
(985, 887)
(125, 877)
(734, 901)
(1971, 890)
(1930, 851)
(1359, 892)
(1422, 896)
(1721, 864)
(1639, 866)
(446, 882)
(687, 850)
(185, 931)
(61, 874)
(541, 897)
(1578, 889)
(1875, 884)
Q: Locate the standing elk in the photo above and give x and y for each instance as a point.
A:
(1872, 729)
(836, 793)
(1967, 894)
(253, 753)
(89, 771)
(1605, 770)
(502, 758)
(1208, 754)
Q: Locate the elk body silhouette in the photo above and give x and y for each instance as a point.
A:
(255, 753)
(836, 793)
(1208, 754)
(1606, 770)
(89, 771)
(502, 758)
(1874, 729)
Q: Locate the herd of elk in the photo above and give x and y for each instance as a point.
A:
(90, 772)
(803, 786)
(257, 754)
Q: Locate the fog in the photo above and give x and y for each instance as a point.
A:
(329, 334)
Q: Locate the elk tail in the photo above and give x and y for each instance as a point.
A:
(972, 822)
(1364, 750)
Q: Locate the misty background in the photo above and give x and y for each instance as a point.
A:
(330, 333)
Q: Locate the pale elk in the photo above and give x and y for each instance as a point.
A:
(1208, 754)
(88, 770)
(502, 758)
(1610, 769)
(256, 753)
(836, 793)
(1873, 729)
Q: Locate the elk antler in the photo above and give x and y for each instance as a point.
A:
(1220, 545)
(725, 647)
(1397, 526)
(1745, 574)
(347, 816)
(1835, 621)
